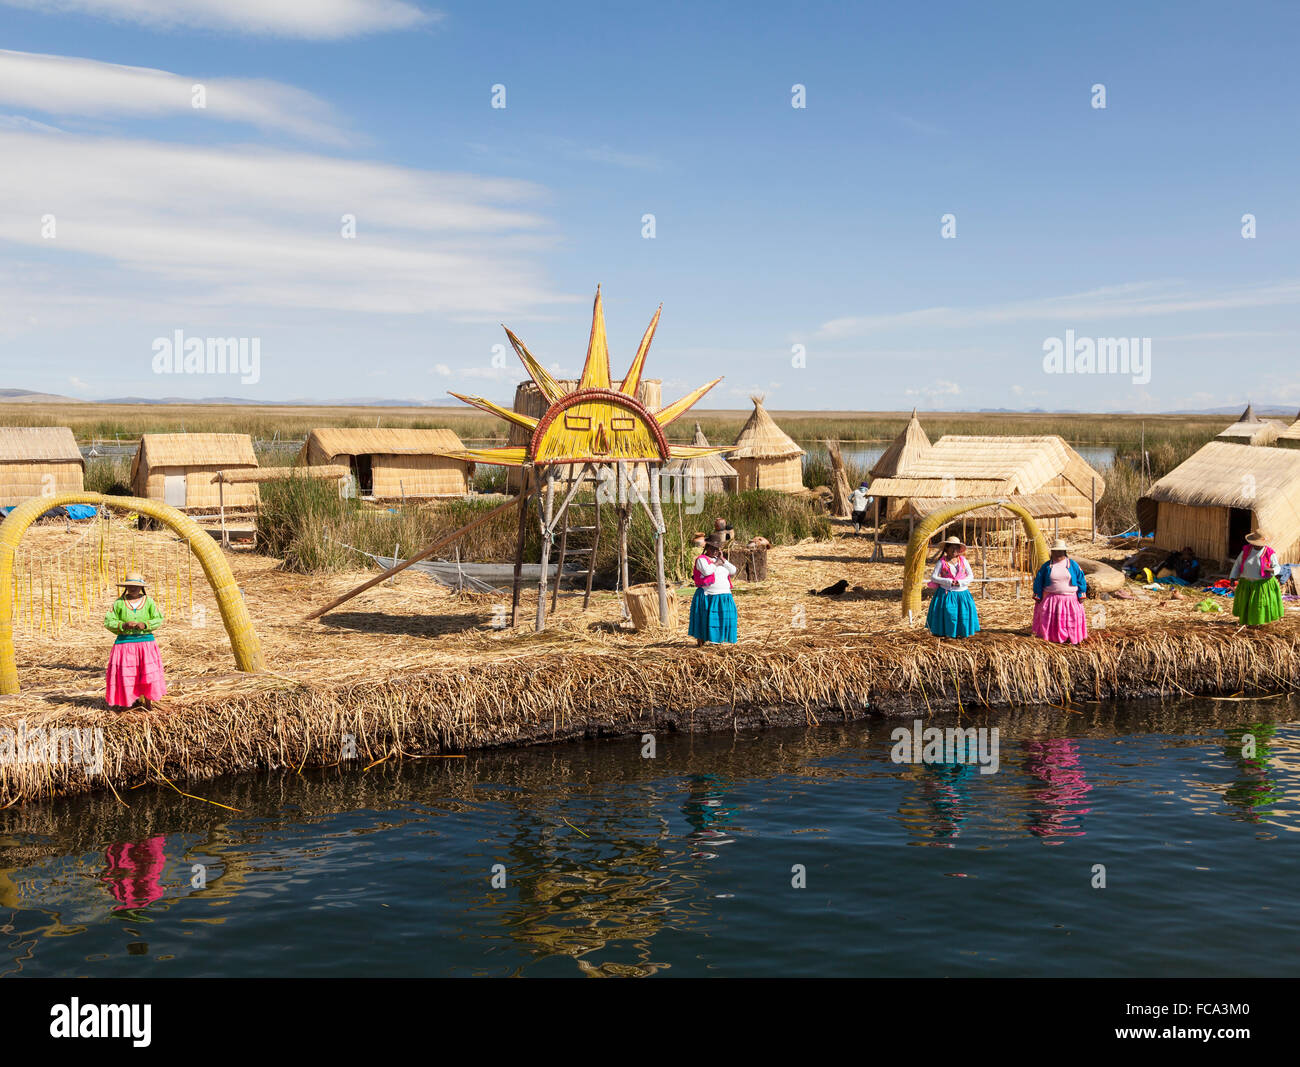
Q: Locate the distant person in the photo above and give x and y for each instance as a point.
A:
(1059, 591)
(1258, 598)
(952, 609)
(858, 501)
(1182, 565)
(135, 670)
(713, 608)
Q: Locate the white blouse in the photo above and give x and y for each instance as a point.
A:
(1249, 565)
(962, 569)
(722, 570)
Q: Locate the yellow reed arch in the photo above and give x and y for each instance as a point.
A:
(914, 566)
(230, 601)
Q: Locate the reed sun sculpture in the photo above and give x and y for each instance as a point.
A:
(595, 427)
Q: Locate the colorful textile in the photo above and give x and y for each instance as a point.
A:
(135, 670)
(146, 613)
(1258, 601)
(134, 872)
(1044, 576)
(1254, 563)
(713, 617)
(718, 572)
(702, 578)
(952, 614)
(1060, 618)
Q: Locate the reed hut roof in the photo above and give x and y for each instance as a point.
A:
(1226, 475)
(1290, 437)
(710, 466)
(972, 466)
(1252, 430)
(366, 441)
(906, 449)
(762, 438)
(38, 444)
(194, 450)
(1039, 506)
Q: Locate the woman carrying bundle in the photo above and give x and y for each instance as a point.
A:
(135, 670)
(1258, 599)
(1059, 589)
(713, 608)
(952, 609)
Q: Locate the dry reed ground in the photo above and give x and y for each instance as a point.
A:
(412, 668)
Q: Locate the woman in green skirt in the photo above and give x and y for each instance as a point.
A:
(1258, 599)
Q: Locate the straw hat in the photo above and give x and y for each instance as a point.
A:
(1059, 545)
(955, 541)
(714, 541)
(1257, 539)
(132, 579)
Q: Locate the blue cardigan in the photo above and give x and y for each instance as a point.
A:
(1044, 576)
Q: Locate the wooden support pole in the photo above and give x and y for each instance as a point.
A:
(624, 516)
(424, 553)
(657, 513)
(1094, 503)
(221, 497)
(548, 525)
(524, 494)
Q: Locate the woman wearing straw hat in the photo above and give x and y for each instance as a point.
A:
(952, 609)
(135, 670)
(1059, 589)
(1258, 599)
(713, 608)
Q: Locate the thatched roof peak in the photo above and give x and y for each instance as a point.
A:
(38, 444)
(906, 449)
(762, 438)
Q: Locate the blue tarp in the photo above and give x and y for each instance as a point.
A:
(68, 511)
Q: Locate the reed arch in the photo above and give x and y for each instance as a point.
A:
(230, 601)
(914, 565)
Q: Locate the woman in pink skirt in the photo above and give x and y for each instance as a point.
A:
(135, 670)
(1059, 589)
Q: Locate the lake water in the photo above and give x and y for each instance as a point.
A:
(684, 864)
(1097, 456)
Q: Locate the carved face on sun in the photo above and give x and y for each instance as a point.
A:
(595, 423)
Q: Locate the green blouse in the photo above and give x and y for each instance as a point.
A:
(146, 613)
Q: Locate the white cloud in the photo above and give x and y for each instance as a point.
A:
(312, 19)
(172, 224)
(66, 85)
(1134, 300)
(935, 390)
(21, 122)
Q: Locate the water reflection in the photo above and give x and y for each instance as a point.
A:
(1056, 809)
(614, 862)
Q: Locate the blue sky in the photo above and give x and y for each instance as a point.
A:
(774, 226)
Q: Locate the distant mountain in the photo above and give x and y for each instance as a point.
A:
(26, 396)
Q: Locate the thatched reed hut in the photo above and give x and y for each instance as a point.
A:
(1251, 430)
(958, 467)
(392, 464)
(906, 449)
(765, 456)
(529, 401)
(38, 461)
(707, 474)
(179, 469)
(1290, 437)
(1222, 492)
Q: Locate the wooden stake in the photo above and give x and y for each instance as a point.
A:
(548, 525)
(524, 494)
(424, 553)
(660, 529)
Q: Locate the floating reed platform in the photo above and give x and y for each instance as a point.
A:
(536, 692)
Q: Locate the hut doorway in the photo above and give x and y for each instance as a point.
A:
(363, 471)
(1240, 522)
(174, 490)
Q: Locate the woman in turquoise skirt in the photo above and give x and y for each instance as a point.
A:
(713, 608)
(1258, 599)
(952, 609)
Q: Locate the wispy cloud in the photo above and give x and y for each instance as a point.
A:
(21, 122)
(66, 85)
(1134, 300)
(312, 19)
(270, 233)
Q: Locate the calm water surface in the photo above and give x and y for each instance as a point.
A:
(683, 864)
